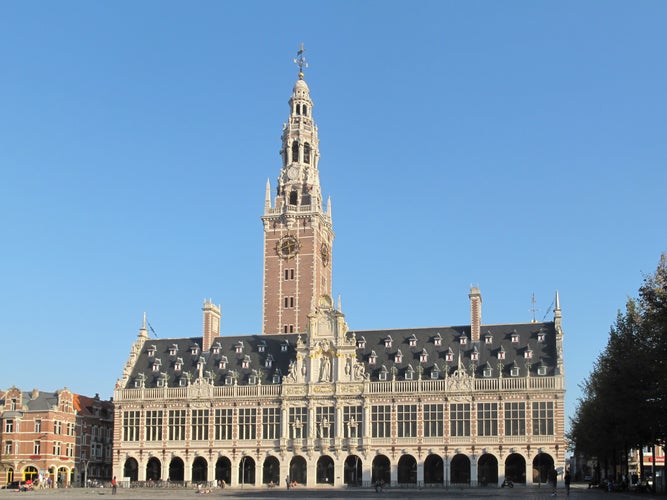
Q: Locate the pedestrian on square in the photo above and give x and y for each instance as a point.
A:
(566, 479)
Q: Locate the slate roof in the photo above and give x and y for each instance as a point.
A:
(176, 361)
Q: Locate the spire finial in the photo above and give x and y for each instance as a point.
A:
(300, 61)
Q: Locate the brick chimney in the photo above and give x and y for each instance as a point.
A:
(211, 323)
(475, 313)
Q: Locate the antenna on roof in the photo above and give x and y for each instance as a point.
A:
(533, 309)
(151, 328)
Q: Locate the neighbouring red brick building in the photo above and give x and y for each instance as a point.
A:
(54, 436)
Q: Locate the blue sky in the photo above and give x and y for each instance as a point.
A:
(519, 146)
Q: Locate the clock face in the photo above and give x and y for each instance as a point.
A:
(292, 173)
(287, 247)
(325, 254)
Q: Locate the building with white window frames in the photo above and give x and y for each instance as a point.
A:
(315, 402)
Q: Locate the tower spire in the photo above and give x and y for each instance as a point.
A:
(298, 232)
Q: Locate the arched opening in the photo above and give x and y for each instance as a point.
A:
(298, 109)
(295, 151)
(515, 468)
(460, 469)
(297, 470)
(352, 471)
(381, 470)
(271, 471)
(176, 470)
(487, 470)
(407, 470)
(306, 153)
(31, 473)
(199, 470)
(63, 477)
(131, 469)
(325, 470)
(542, 465)
(293, 198)
(305, 110)
(433, 469)
(223, 471)
(153, 469)
(10, 475)
(246, 471)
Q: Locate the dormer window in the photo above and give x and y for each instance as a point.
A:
(222, 364)
(383, 373)
(449, 355)
(409, 373)
(437, 340)
(151, 351)
(246, 362)
(488, 371)
(200, 364)
(162, 380)
(156, 365)
(139, 381)
(361, 343)
(173, 350)
(515, 337)
(435, 373)
(528, 354)
(284, 346)
(501, 353)
(463, 339)
(398, 357)
(474, 355)
(488, 338)
(269, 361)
(252, 379)
(542, 369)
(229, 380)
(541, 336)
(372, 359)
(514, 371)
(277, 376)
(261, 347)
(215, 349)
(239, 347)
(413, 340)
(178, 365)
(388, 341)
(423, 357)
(182, 382)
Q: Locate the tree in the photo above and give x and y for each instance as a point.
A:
(624, 403)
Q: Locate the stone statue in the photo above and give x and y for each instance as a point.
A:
(325, 369)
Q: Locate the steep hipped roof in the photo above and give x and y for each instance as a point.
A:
(527, 346)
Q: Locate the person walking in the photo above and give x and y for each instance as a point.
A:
(114, 485)
(566, 480)
(553, 479)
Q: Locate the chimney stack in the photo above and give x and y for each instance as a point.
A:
(211, 323)
(475, 313)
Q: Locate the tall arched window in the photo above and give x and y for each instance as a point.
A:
(305, 110)
(298, 109)
(295, 151)
(306, 153)
(293, 198)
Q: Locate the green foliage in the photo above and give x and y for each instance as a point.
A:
(624, 403)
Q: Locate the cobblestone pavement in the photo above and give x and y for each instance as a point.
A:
(529, 492)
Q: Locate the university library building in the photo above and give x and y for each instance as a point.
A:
(312, 402)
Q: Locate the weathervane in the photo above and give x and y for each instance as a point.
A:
(300, 60)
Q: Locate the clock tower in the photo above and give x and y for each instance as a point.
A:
(298, 233)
